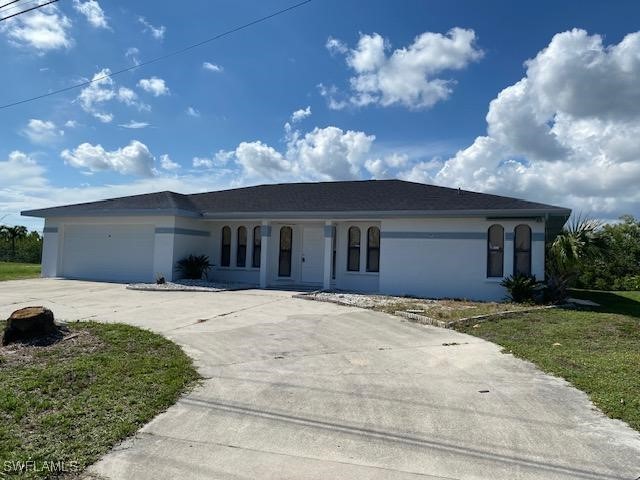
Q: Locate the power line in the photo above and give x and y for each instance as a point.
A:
(161, 57)
(9, 3)
(4, 11)
(27, 10)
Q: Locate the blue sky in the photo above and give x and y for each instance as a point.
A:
(536, 100)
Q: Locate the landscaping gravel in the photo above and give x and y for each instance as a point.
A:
(189, 286)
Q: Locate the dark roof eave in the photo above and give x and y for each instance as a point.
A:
(139, 212)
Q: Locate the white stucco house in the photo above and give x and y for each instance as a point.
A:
(386, 236)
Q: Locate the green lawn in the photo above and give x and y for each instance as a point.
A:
(598, 351)
(16, 271)
(72, 401)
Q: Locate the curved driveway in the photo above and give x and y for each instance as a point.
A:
(296, 389)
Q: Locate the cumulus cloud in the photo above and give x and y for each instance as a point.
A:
(42, 131)
(408, 76)
(43, 29)
(212, 67)
(20, 171)
(167, 164)
(154, 85)
(94, 97)
(133, 55)
(93, 12)
(156, 32)
(301, 114)
(565, 133)
(134, 159)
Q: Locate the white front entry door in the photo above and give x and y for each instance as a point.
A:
(312, 254)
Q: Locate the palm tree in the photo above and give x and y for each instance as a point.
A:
(12, 234)
(578, 241)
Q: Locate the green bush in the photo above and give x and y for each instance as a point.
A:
(522, 288)
(194, 266)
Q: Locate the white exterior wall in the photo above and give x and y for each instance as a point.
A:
(443, 257)
(448, 257)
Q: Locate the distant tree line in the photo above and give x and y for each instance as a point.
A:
(590, 254)
(17, 244)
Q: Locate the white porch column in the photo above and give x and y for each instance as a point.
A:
(328, 254)
(164, 240)
(265, 235)
(508, 253)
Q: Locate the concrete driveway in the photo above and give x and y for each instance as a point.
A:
(304, 390)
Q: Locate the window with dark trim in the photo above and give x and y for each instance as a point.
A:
(225, 250)
(284, 260)
(241, 252)
(373, 249)
(257, 245)
(522, 250)
(353, 256)
(495, 251)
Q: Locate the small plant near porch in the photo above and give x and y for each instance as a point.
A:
(194, 267)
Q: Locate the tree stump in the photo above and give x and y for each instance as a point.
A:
(28, 323)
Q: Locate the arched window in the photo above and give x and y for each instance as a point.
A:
(495, 251)
(257, 246)
(241, 252)
(373, 249)
(522, 250)
(284, 261)
(353, 259)
(225, 251)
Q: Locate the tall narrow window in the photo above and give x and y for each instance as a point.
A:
(334, 254)
(284, 261)
(495, 251)
(225, 251)
(257, 246)
(373, 249)
(522, 250)
(241, 252)
(353, 259)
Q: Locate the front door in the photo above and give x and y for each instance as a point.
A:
(312, 254)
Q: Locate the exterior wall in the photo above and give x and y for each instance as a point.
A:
(448, 257)
(431, 257)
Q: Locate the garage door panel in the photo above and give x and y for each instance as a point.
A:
(108, 252)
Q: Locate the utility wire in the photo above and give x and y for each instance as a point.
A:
(27, 10)
(9, 3)
(161, 57)
(19, 6)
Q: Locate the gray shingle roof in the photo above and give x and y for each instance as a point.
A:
(349, 196)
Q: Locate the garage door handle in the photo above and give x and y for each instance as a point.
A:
(303, 259)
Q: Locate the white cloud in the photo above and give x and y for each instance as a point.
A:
(167, 164)
(202, 162)
(408, 76)
(156, 32)
(154, 85)
(212, 67)
(20, 171)
(134, 125)
(71, 124)
(336, 46)
(134, 159)
(93, 12)
(43, 29)
(42, 131)
(193, 112)
(566, 133)
(301, 114)
(133, 54)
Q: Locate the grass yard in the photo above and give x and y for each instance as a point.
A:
(17, 271)
(73, 400)
(597, 350)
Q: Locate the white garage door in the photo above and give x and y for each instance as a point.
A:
(119, 253)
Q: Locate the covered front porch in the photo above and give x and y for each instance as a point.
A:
(301, 253)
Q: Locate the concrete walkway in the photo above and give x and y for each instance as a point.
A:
(304, 390)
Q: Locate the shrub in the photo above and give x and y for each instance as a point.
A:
(522, 288)
(556, 290)
(194, 266)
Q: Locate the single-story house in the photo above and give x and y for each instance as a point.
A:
(386, 236)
